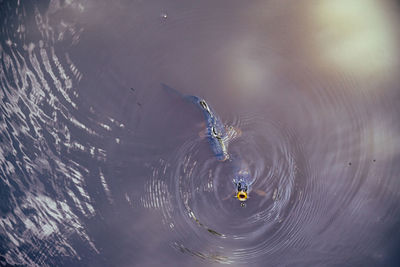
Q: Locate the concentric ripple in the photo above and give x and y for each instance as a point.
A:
(303, 187)
(203, 195)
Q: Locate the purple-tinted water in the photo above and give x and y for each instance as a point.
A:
(101, 167)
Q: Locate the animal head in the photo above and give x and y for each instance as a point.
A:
(241, 191)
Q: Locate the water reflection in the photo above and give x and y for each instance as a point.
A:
(99, 166)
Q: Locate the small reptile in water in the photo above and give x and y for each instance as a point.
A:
(216, 132)
(219, 136)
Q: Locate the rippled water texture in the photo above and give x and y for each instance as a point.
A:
(101, 167)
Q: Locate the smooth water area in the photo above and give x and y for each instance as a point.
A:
(100, 166)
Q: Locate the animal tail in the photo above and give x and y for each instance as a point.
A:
(176, 93)
(171, 90)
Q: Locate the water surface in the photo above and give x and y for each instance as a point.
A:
(101, 167)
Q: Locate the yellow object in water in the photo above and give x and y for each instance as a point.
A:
(242, 195)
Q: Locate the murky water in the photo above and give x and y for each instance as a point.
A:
(101, 167)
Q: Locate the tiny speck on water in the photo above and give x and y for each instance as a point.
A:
(164, 15)
(374, 160)
(349, 163)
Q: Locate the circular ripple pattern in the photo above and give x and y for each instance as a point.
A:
(303, 187)
(203, 195)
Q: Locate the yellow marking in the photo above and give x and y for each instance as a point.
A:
(241, 195)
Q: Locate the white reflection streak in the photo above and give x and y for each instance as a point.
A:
(105, 186)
